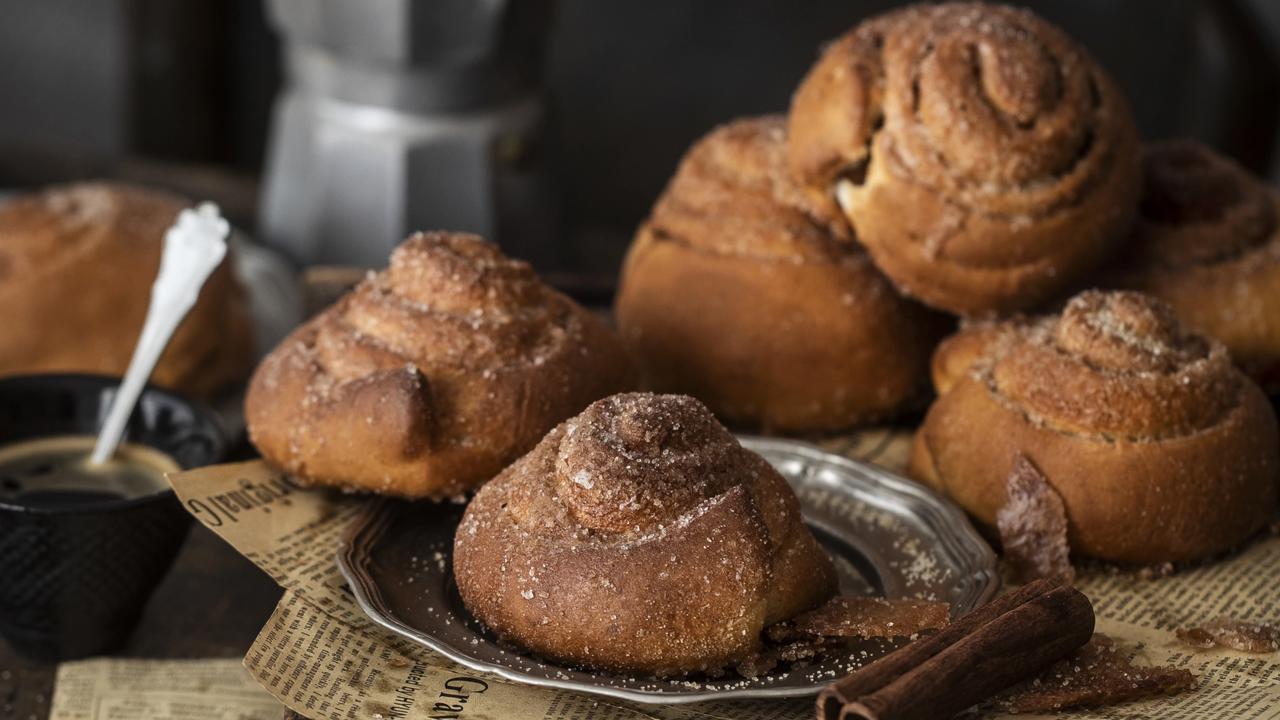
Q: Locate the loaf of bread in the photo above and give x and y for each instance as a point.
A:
(1207, 242)
(76, 267)
(1159, 447)
(432, 375)
(742, 293)
(985, 159)
(639, 536)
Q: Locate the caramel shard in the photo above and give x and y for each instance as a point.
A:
(1033, 526)
(771, 656)
(1098, 674)
(864, 618)
(1239, 635)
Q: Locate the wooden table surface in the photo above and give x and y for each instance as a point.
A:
(212, 604)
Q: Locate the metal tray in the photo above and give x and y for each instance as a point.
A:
(887, 536)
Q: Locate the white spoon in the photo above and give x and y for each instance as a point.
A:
(193, 246)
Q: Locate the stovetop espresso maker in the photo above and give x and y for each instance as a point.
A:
(401, 115)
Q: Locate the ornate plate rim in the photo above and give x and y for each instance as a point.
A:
(964, 542)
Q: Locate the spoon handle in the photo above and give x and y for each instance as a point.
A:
(193, 247)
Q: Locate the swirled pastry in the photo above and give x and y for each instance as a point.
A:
(984, 159)
(1160, 449)
(639, 536)
(740, 292)
(76, 267)
(432, 375)
(1207, 242)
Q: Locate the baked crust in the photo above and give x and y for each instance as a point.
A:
(639, 536)
(986, 161)
(432, 375)
(76, 267)
(1207, 242)
(1160, 449)
(740, 292)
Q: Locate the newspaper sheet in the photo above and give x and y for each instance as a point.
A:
(128, 689)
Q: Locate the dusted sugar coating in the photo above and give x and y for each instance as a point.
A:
(1207, 241)
(1159, 448)
(985, 159)
(741, 293)
(432, 375)
(76, 267)
(639, 536)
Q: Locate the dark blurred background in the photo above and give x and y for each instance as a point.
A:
(182, 94)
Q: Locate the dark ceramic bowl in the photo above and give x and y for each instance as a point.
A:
(74, 580)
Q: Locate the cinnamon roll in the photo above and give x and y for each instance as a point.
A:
(1207, 242)
(985, 159)
(742, 293)
(1160, 449)
(432, 375)
(639, 536)
(76, 267)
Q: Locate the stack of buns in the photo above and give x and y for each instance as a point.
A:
(971, 160)
(948, 163)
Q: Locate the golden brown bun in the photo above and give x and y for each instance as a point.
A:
(1207, 242)
(76, 267)
(639, 536)
(430, 376)
(1159, 447)
(739, 293)
(985, 160)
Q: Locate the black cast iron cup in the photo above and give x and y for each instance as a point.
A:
(74, 580)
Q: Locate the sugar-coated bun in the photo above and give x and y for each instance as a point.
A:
(432, 375)
(639, 536)
(1207, 242)
(986, 161)
(1160, 448)
(740, 292)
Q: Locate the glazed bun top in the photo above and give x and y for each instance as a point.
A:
(732, 194)
(1198, 208)
(1207, 242)
(1113, 363)
(445, 300)
(987, 103)
(634, 464)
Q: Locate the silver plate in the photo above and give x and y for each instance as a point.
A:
(887, 536)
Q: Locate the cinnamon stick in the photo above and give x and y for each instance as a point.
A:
(1008, 640)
